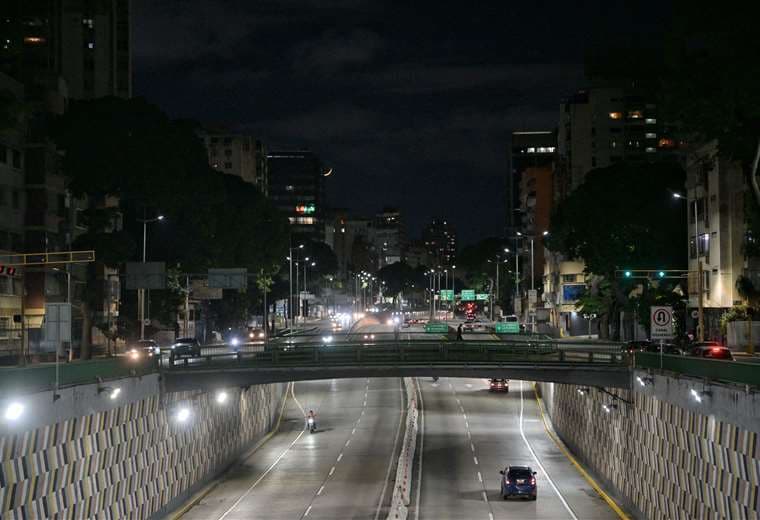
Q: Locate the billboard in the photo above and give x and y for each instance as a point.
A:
(146, 275)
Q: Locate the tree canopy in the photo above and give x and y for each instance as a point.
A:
(623, 217)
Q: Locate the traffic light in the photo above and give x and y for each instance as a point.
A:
(10, 271)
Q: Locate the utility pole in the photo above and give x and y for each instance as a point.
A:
(701, 322)
(187, 306)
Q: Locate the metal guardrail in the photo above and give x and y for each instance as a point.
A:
(40, 377)
(413, 352)
(715, 369)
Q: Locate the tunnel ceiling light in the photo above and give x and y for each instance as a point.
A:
(221, 397)
(114, 393)
(608, 408)
(13, 411)
(583, 390)
(645, 381)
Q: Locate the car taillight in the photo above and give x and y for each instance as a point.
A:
(715, 349)
(507, 482)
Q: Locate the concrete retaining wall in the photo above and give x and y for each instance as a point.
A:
(663, 454)
(87, 456)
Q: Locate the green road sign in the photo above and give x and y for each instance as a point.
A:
(468, 295)
(507, 327)
(436, 327)
(447, 295)
(481, 296)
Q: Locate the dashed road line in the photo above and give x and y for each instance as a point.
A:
(308, 510)
(332, 470)
(480, 477)
(340, 456)
(322, 488)
(476, 460)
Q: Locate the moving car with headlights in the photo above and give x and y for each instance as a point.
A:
(144, 348)
(185, 347)
(498, 385)
(518, 481)
(256, 334)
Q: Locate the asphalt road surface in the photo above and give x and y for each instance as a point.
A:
(339, 472)
(470, 434)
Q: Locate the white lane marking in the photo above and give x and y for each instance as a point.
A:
(465, 417)
(392, 458)
(490, 516)
(480, 477)
(332, 470)
(538, 462)
(365, 403)
(348, 442)
(472, 447)
(485, 497)
(261, 477)
(468, 385)
(459, 402)
(469, 435)
(320, 490)
(353, 431)
(422, 450)
(340, 456)
(466, 424)
(362, 413)
(476, 460)
(308, 510)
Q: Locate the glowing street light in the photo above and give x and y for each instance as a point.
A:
(221, 397)
(14, 411)
(183, 414)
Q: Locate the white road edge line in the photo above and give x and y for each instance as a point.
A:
(308, 510)
(332, 470)
(340, 456)
(348, 442)
(261, 477)
(320, 490)
(421, 451)
(393, 452)
(535, 457)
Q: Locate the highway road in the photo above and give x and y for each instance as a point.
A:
(470, 434)
(338, 472)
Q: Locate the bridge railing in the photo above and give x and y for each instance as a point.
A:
(401, 352)
(713, 369)
(40, 377)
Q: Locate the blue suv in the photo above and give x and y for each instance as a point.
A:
(518, 481)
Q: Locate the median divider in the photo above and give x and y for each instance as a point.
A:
(402, 486)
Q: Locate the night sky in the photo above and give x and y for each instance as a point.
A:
(411, 103)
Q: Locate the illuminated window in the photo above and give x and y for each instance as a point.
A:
(342, 230)
(616, 115)
(531, 150)
(635, 114)
(651, 135)
(90, 45)
(650, 121)
(301, 220)
(651, 149)
(289, 187)
(34, 40)
(665, 142)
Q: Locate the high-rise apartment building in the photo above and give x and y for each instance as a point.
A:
(61, 50)
(527, 149)
(86, 43)
(297, 188)
(604, 125)
(389, 233)
(237, 154)
(440, 239)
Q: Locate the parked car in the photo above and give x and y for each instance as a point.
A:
(185, 347)
(713, 352)
(518, 481)
(498, 385)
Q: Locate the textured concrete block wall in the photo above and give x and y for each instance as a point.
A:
(132, 460)
(667, 455)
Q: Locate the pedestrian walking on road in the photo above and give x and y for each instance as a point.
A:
(459, 332)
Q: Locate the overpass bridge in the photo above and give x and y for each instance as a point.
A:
(528, 360)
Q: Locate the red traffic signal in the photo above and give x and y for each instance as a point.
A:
(7, 270)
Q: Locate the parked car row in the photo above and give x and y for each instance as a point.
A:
(706, 349)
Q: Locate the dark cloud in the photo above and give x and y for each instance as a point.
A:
(411, 102)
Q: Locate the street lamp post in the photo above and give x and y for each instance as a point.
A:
(141, 292)
(290, 280)
(700, 291)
